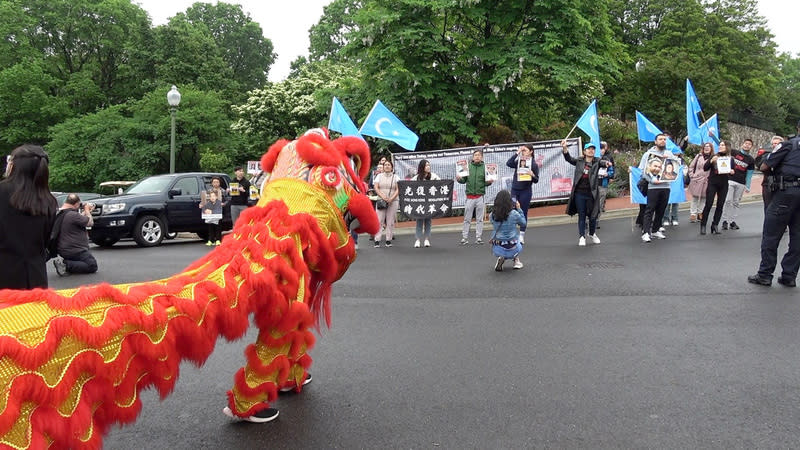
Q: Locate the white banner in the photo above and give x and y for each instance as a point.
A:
(555, 174)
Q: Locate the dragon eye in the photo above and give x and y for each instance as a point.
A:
(330, 177)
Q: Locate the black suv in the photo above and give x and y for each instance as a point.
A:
(154, 207)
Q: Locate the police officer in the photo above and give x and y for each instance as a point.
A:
(783, 210)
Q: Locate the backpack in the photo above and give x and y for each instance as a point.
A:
(55, 232)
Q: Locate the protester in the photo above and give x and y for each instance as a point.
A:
(385, 185)
(783, 212)
(27, 211)
(717, 186)
(522, 184)
(583, 199)
(766, 194)
(743, 164)
(699, 182)
(213, 207)
(239, 192)
(607, 163)
(660, 194)
(476, 190)
(424, 225)
(656, 200)
(73, 239)
(507, 219)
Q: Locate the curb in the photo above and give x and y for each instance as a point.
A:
(561, 219)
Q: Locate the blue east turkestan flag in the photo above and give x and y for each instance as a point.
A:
(710, 131)
(589, 125)
(648, 131)
(692, 110)
(382, 123)
(677, 192)
(340, 121)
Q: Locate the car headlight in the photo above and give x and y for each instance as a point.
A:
(112, 208)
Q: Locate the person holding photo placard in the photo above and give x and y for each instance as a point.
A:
(720, 170)
(522, 181)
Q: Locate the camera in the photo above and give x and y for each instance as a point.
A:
(83, 206)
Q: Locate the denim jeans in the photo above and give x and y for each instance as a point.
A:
(585, 204)
(423, 229)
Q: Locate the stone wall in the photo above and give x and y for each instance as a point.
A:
(736, 134)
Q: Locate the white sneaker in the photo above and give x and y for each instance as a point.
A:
(263, 416)
(665, 223)
(416, 243)
(646, 237)
(659, 235)
(595, 239)
(661, 229)
(427, 243)
(674, 223)
(582, 242)
(517, 263)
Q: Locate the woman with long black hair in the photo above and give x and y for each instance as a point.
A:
(424, 225)
(27, 212)
(506, 219)
(717, 186)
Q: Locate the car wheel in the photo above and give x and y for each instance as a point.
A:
(104, 241)
(171, 236)
(149, 231)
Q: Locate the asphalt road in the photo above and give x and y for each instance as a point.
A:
(618, 345)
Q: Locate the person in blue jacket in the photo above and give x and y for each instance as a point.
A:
(507, 219)
(522, 182)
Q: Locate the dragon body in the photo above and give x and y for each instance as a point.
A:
(72, 362)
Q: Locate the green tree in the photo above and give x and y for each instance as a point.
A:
(722, 46)
(186, 53)
(28, 104)
(241, 41)
(330, 35)
(131, 140)
(448, 72)
(288, 108)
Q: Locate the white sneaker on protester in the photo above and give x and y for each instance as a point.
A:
(582, 242)
(263, 416)
(646, 237)
(659, 235)
(416, 243)
(517, 263)
(427, 243)
(595, 239)
(675, 223)
(498, 266)
(661, 229)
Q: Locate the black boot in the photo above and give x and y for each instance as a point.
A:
(714, 229)
(702, 229)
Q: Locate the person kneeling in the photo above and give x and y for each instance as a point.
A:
(73, 239)
(506, 218)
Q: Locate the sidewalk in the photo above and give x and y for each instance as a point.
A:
(539, 216)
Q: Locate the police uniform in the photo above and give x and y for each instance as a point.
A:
(783, 211)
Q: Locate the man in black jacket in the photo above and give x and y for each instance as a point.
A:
(240, 193)
(73, 240)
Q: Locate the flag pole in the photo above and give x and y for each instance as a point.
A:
(570, 131)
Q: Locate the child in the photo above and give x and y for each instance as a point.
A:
(212, 211)
(506, 219)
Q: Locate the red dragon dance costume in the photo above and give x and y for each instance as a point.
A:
(73, 362)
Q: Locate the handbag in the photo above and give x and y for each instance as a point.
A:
(642, 185)
(381, 204)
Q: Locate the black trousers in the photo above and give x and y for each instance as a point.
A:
(783, 211)
(81, 262)
(657, 201)
(214, 232)
(718, 187)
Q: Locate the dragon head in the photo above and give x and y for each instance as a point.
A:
(324, 178)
